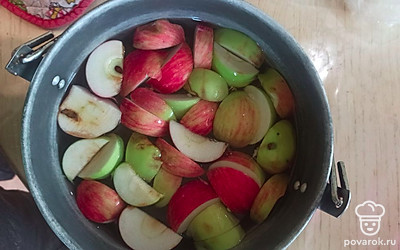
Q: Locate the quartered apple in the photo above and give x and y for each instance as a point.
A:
(180, 103)
(199, 119)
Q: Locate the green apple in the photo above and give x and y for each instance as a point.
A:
(166, 184)
(277, 148)
(180, 103)
(143, 156)
(105, 160)
(240, 44)
(211, 222)
(235, 71)
(224, 241)
(208, 85)
(271, 191)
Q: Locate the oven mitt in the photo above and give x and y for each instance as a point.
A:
(48, 14)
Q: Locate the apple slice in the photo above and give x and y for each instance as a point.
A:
(265, 108)
(98, 202)
(187, 202)
(208, 85)
(140, 120)
(236, 166)
(177, 163)
(133, 189)
(159, 34)
(180, 103)
(85, 115)
(105, 160)
(226, 240)
(166, 184)
(140, 65)
(199, 119)
(104, 68)
(277, 88)
(175, 72)
(271, 191)
(203, 46)
(140, 231)
(237, 72)
(153, 103)
(79, 153)
(194, 146)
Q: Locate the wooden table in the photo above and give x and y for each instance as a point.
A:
(358, 59)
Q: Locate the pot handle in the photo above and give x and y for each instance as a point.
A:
(26, 58)
(335, 199)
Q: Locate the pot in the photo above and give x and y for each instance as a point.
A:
(43, 143)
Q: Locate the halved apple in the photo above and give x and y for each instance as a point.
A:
(104, 68)
(140, 231)
(180, 103)
(199, 119)
(166, 184)
(203, 46)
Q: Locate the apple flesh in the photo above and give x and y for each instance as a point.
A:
(159, 34)
(241, 45)
(237, 120)
(226, 240)
(180, 103)
(79, 153)
(140, 231)
(85, 115)
(166, 184)
(133, 189)
(194, 146)
(98, 202)
(187, 202)
(208, 85)
(199, 119)
(271, 191)
(277, 88)
(278, 148)
(143, 156)
(203, 46)
(104, 68)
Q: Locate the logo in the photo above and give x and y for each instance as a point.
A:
(369, 214)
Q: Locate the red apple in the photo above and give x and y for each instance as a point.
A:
(235, 189)
(159, 34)
(188, 201)
(177, 163)
(137, 119)
(199, 119)
(175, 72)
(98, 202)
(139, 65)
(203, 46)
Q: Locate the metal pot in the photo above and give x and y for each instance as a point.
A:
(43, 142)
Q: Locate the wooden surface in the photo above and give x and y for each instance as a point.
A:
(358, 58)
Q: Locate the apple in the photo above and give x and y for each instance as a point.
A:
(203, 46)
(104, 68)
(241, 45)
(237, 119)
(166, 184)
(199, 119)
(236, 72)
(235, 189)
(271, 191)
(143, 156)
(175, 72)
(194, 146)
(139, 66)
(159, 34)
(98, 202)
(105, 160)
(187, 202)
(226, 240)
(211, 222)
(208, 85)
(180, 103)
(85, 115)
(265, 108)
(152, 102)
(278, 148)
(177, 163)
(79, 153)
(140, 120)
(133, 189)
(277, 88)
(140, 231)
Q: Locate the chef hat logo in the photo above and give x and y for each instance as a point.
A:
(369, 213)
